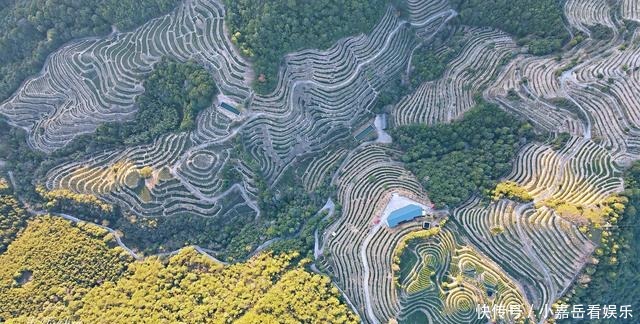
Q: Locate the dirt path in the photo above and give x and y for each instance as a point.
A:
(533, 256)
(367, 272)
(317, 248)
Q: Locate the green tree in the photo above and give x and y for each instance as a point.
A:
(454, 161)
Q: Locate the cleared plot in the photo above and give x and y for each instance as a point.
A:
(536, 247)
(323, 94)
(538, 243)
(321, 168)
(321, 97)
(581, 174)
(359, 254)
(590, 91)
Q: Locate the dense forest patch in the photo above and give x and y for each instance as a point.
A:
(13, 218)
(191, 288)
(267, 30)
(454, 161)
(81, 279)
(429, 61)
(37, 274)
(174, 95)
(31, 29)
(19, 158)
(538, 24)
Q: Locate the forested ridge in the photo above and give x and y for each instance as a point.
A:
(267, 30)
(31, 29)
(454, 161)
(13, 218)
(85, 277)
(537, 24)
(37, 274)
(429, 61)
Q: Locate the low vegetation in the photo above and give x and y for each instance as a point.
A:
(511, 190)
(577, 213)
(407, 240)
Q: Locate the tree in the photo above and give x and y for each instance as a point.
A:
(465, 157)
(146, 172)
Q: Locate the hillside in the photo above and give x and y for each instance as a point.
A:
(86, 277)
(276, 161)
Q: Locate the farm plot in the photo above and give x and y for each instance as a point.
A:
(543, 236)
(519, 253)
(589, 91)
(631, 10)
(584, 13)
(322, 96)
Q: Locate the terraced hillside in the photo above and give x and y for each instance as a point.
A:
(325, 126)
(104, 75)
(447, 279)
(322, 98)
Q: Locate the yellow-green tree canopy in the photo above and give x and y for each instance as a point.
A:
(191, 288)
(82, 278)
(54, 262)
(511, 190)
(12, 219)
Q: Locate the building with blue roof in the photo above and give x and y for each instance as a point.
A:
(230, 108)
(404, 214)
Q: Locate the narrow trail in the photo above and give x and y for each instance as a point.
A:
(116, 236)
(118, 240)
(380, 124)
(533, 256)
(317, 248)
(367, 272)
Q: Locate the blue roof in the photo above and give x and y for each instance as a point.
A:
(229, 108)
(403, 214)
